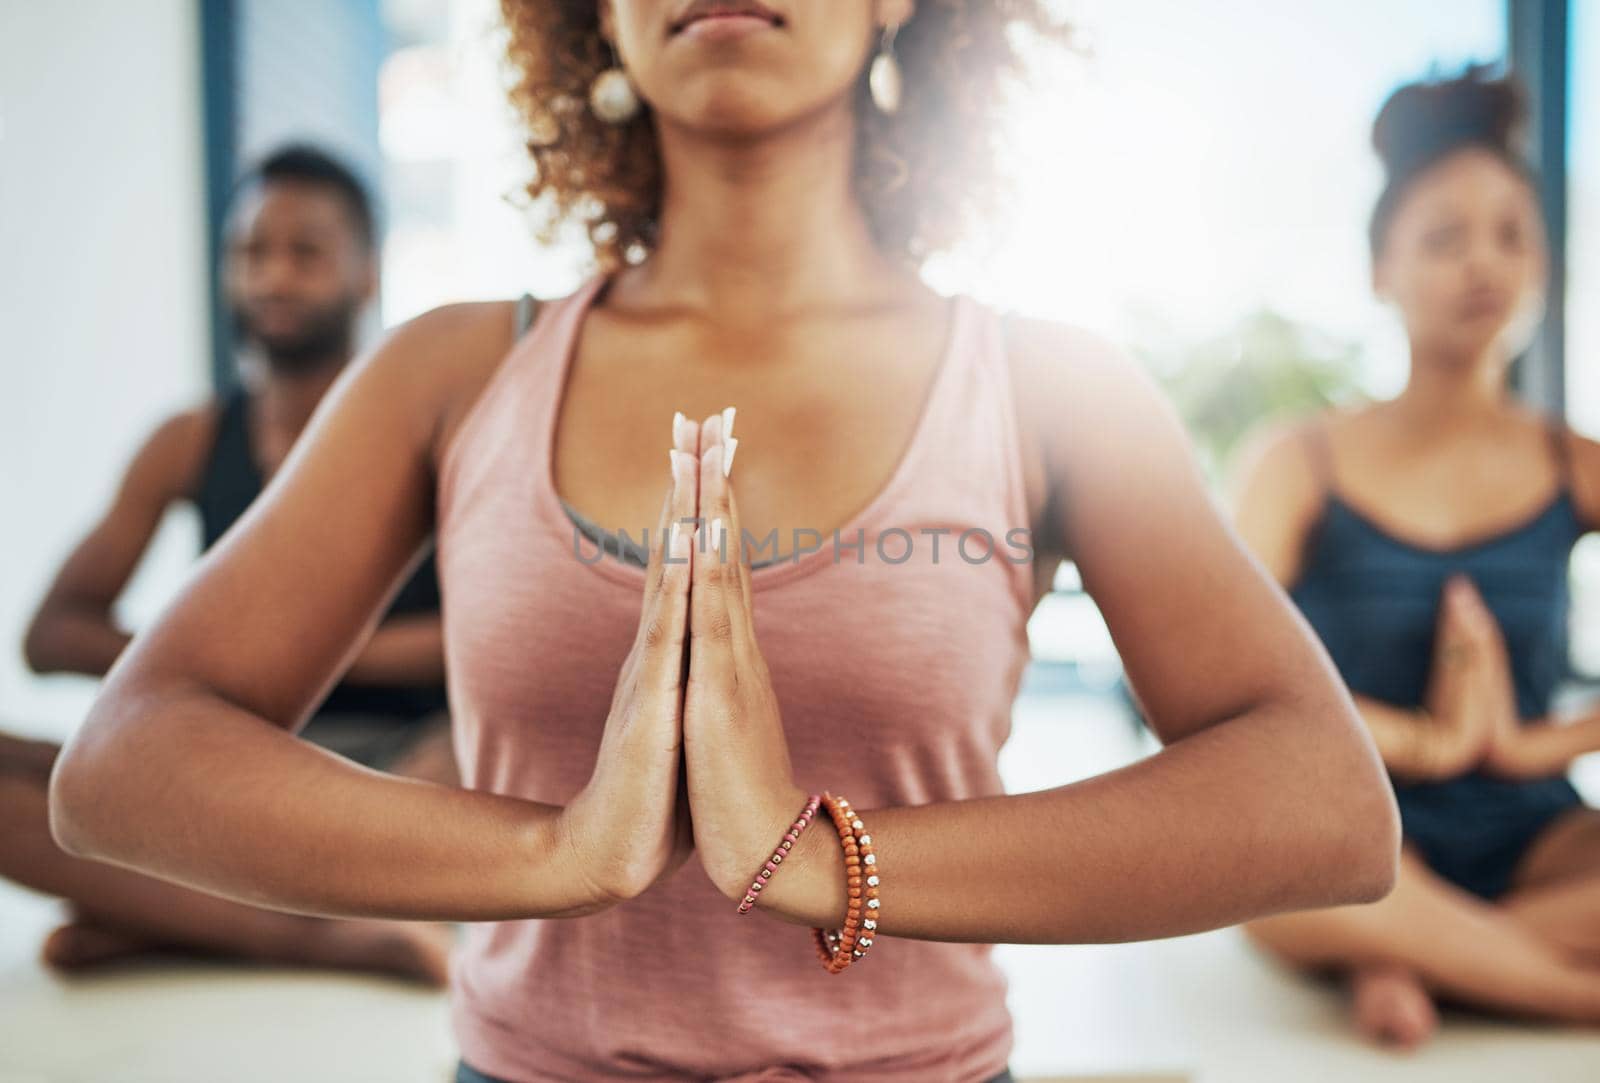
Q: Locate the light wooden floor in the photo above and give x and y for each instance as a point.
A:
(1206, 1008)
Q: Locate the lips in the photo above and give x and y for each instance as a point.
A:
(699, 10)
(1483, 303)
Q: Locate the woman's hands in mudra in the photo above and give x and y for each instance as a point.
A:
(629, 826)
(741, 783)
(1472, 699)
(693, 755)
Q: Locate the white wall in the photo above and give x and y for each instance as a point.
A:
(102, 293)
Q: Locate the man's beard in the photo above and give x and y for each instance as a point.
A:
(323, 338)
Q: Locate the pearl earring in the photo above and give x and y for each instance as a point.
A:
(611, 95)
(883, 77)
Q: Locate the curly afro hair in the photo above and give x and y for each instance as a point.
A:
(925, 175)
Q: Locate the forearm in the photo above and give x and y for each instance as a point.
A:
(402, 651)
(1410, 744)
(192, 789)
(1550, 745)
(73, 640)
(1246, 817)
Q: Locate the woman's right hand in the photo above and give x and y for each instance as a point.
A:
(1462, 711)
(629, 826)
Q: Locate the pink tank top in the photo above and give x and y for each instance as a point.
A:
(896, 681)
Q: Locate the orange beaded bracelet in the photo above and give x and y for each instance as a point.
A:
(838, 948)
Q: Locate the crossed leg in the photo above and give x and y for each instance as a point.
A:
(1556, 890)
(1430, 938)
(118, 912)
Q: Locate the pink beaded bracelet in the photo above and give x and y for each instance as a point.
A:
(790, 837)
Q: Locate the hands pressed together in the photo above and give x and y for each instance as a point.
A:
(1470, 717)
(693, 756)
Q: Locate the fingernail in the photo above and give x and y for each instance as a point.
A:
(727, 423)
(728, 449)
(672, 458)
(679, 544)
(683, 466)
(716, 533)
(678, 422)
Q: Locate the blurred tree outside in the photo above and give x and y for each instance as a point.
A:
(1266, 366)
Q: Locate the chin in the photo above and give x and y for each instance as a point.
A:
(734, 101)
(1469, 346)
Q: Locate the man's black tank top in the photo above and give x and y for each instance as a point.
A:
(230, 481)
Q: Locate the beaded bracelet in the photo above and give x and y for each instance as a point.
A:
(869, 884)
(838, 948)
(792, 836)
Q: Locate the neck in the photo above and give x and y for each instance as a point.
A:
(747, 221)
(286, 399)
(1447, 391)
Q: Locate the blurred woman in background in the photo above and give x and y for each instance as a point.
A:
(1426, 540)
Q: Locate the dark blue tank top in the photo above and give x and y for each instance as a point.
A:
(1373, 599)
(229, 482)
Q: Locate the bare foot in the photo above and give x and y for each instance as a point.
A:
(418, 951)
(81, 945)
(422, 951)
(1392, 1007)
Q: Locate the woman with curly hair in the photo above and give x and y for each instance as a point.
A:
(1426, 538)
(818, 729)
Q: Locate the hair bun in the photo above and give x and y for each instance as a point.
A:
(1422, 121)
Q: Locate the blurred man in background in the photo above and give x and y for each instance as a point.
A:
(302, 266)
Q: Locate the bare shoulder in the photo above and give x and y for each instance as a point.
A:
(1585, 477)
(168, 463)
(1061, 373)
(1096, 428)
(1052, 360)
(1276, 463)
(438, 362)
(1077, 389)
(189, 430)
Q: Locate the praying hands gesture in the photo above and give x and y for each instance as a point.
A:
(693, 754)
(629, 826)
(1472, 700)
(741, 783)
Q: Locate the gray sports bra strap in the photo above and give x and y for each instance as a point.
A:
(527, 309)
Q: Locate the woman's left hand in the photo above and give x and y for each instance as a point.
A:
(1515, 750)
(741, 785)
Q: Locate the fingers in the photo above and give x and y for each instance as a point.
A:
(1454, 632)
(649, 606)
(711, 629)
(652, 576)
(711, 659)
(725, 505)
(741, 604)
(663, 623)
(679, 501)
(685, 434)
(1480, 618)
